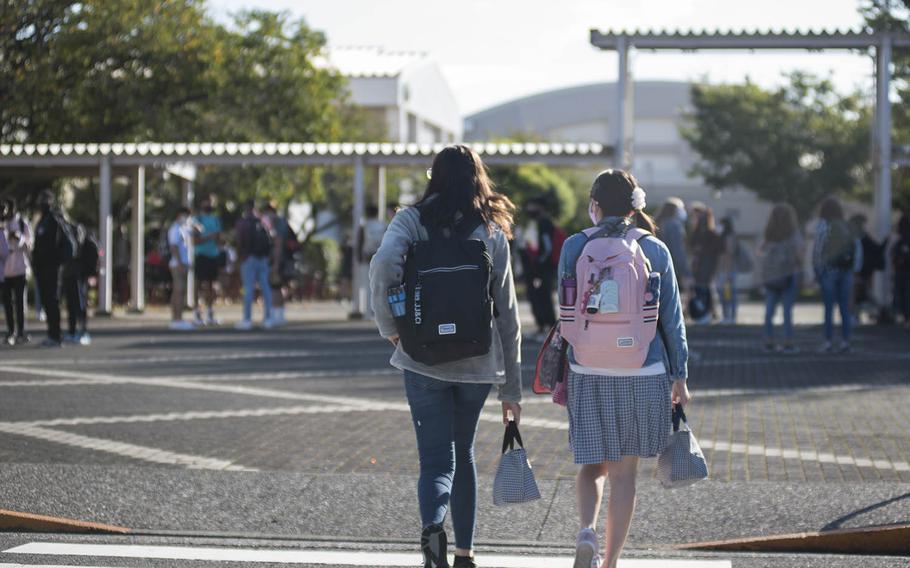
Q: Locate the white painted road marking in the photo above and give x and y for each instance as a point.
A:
(144, 453)
(354, 404)
(303, 556)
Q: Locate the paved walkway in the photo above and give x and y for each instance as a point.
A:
(304, 430)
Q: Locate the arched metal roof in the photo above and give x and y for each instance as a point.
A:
(746, 39)
(282, 153)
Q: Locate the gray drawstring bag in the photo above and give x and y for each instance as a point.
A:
(514, 482)
(682, 462)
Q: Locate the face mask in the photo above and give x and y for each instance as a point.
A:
(592, 212)
(682, 215)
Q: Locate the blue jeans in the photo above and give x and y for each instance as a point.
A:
(255, 270)
(836, 285)
(786, 297)
(445, 416)
(731, 303)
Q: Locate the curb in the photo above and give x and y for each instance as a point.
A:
(28, 522)
(884, 540)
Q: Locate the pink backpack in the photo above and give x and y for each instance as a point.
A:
(614, 317)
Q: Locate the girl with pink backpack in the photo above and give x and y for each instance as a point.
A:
(621, 314)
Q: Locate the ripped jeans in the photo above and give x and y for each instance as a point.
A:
(445, 416)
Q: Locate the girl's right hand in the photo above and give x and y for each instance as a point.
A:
(680, 394)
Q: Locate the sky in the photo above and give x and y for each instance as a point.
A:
(493, 51)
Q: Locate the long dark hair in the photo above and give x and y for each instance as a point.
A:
(831, 209)
(782, 223)
(612, 191)
(460, 183)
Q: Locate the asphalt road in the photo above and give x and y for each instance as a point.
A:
(303, 433)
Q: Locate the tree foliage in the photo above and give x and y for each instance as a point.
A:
(796, 143)
(895, 15)
(134, 70)
(528, 181)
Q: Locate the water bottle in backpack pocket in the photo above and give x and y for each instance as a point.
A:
(617, 302)
(448, 310)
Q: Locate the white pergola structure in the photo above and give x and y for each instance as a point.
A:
(181, 159)
(881, 42)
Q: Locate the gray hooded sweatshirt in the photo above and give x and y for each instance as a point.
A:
(502, 364)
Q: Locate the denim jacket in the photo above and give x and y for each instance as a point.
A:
(674, 352)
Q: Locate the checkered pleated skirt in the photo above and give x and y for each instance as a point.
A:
(611, 417)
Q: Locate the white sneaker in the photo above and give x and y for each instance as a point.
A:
(244, 325)
(85, 339)
(268, 323)
(182, 325)
(586, 550)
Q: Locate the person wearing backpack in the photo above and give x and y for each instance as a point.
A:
(538, 249)
(179, 241)
(900, 260)
(16, 268)
(781, 254)
(443, 294)
(836, 255)
(255, 243)
(76, 273)
(707, 247)
(621, 314)
(54, 246)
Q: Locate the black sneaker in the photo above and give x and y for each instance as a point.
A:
(434, 546)
(464, 562)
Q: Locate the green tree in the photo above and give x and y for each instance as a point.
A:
(529, 181)
(133, 70)
(895, 15)
(796, 143)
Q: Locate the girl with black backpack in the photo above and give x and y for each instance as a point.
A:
(451, 246)
(781, 254)
(837, 254)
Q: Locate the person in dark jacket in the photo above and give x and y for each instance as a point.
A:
(76, 273)
(538, 241)
(900, 260)
(53, 247)
(873, 260)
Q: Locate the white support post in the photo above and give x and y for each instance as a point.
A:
(106, 235)
(189, 196)
(137, 243)
(359, 287)
(381, 192)
(622, 157)
(882, 155)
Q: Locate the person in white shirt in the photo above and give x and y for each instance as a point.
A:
(179, 240)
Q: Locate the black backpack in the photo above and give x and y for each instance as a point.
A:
(448, 311)
(66, 242)
(89, 254)
(839, 249)
(260, 239)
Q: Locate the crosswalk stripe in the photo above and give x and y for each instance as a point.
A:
(318, 557)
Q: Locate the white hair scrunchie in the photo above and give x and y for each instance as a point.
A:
(638, 199)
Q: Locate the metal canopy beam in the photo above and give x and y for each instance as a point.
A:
(666, 40)
(881, 42)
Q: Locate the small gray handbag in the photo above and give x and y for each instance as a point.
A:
(682, 462)
(514, 482)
